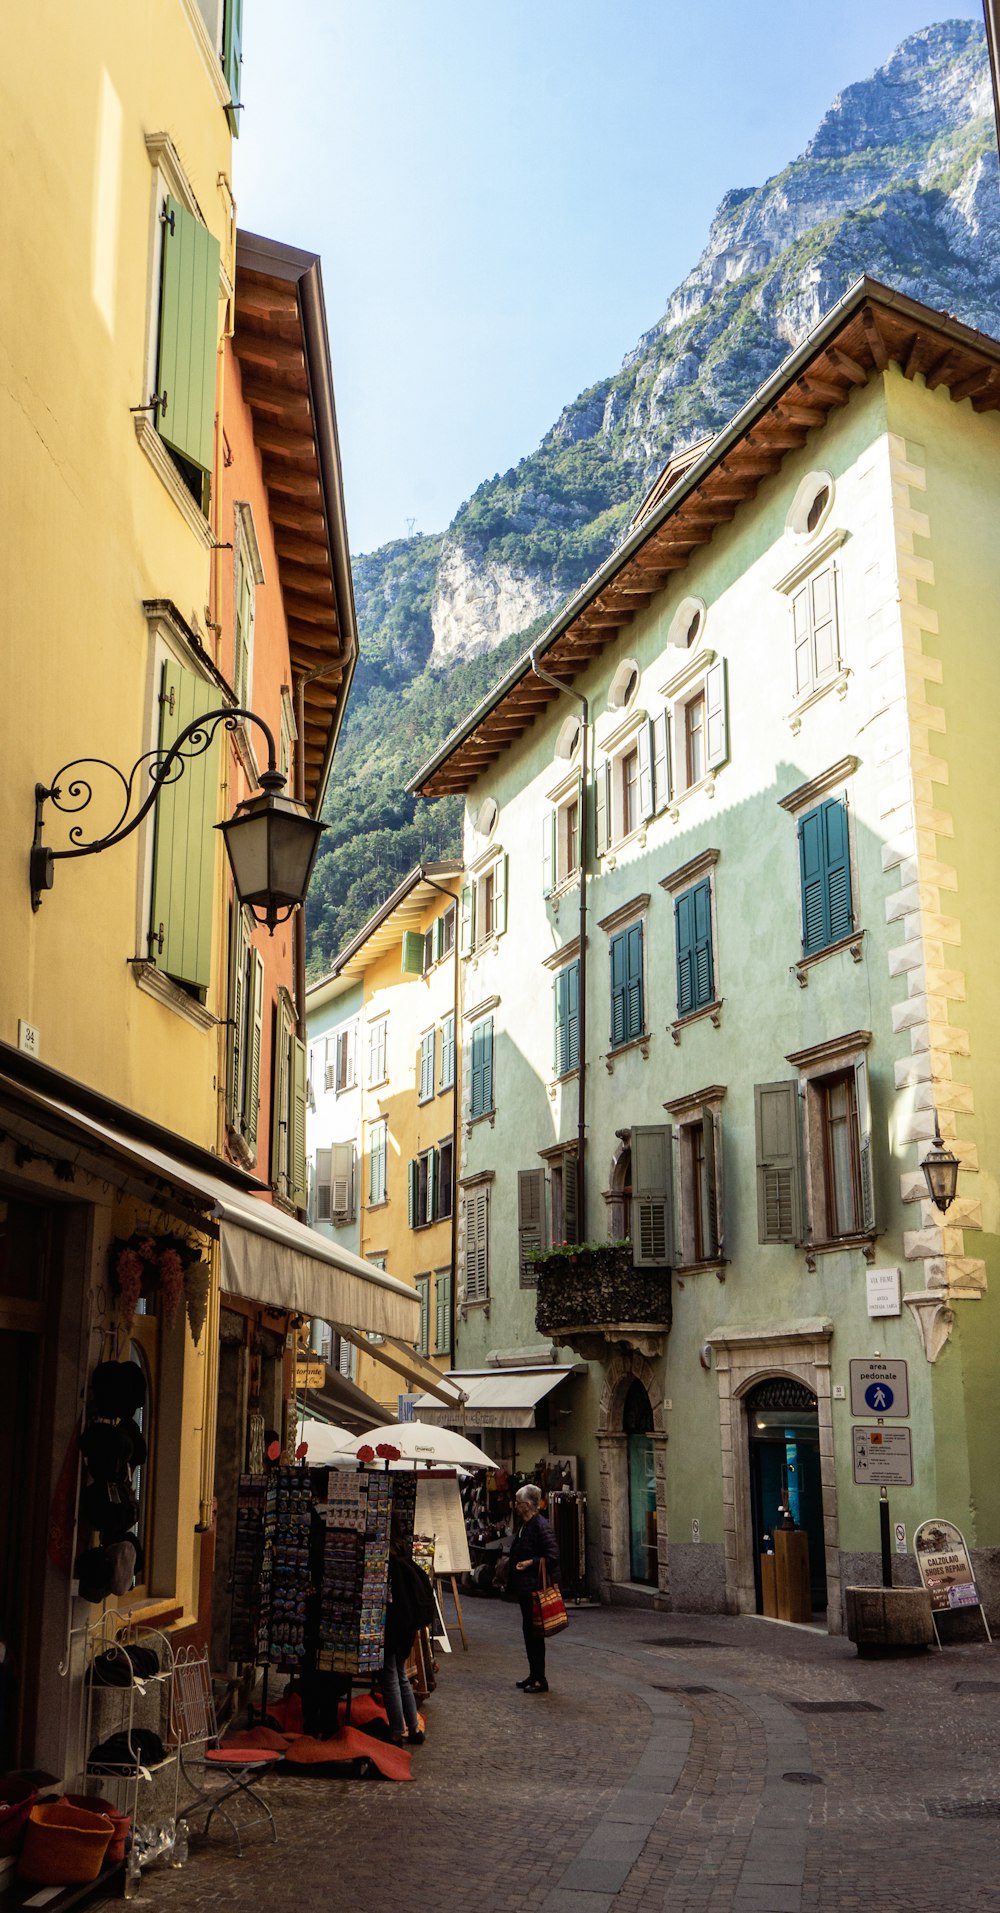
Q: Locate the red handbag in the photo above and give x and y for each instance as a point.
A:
(548, 1606)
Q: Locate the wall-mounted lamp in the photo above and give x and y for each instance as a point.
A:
(271, 840)
(940, 1169)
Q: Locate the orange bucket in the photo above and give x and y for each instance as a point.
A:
(121, 1822)
(64, 1845)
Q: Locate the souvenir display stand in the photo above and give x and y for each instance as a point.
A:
(138, 1771)
(567, 1511)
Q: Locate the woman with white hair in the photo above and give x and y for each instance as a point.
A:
(534, 1545)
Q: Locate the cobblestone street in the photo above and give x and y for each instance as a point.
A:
(695, 1763)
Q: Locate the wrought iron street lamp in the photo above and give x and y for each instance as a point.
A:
(940, 1169)
(271, 840)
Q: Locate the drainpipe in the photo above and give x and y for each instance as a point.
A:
(581, 1103)
(299, 921)
(454, 1123)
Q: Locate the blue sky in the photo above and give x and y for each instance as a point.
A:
(504, 195)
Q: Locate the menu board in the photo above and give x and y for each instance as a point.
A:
(439, 1512)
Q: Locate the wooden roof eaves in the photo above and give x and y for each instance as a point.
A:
(859, 302)
(433, 875)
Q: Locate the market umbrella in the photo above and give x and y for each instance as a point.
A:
(326, 1444)
(418, 1441)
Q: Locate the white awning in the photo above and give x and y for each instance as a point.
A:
(506, 1398)
(266, 1255)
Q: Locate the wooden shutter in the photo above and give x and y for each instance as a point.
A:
(477, 1265)
(487, 1063)
(652, 1178)
(802, 641)
(438, 929)
(482, 1068)
(279, 1092)
(716, 719)
(567, 1018)
(549, 827)
(376, 1162)
(432, 1185)
(413, 953)
(644, 743)
(426, 1089)
(180, 933)
(236, 1071)
(711, 1205)
(684, 936)
(704, 966)
(324, 1179)
(442, 1338)
(232, 59)
(570, 1198)
(342, 1180)
(412, 1191)
(467, 919)
(836, 843)
(299, 1190)
(244, 626)
(619, 989)
(634, 1005)
(823, 606)
(661, 761)
(602, 807)
(255, 993)
(825, 872)
(189, 331)
(530, 1221)
(779, 1162)
(424, 1292)
(447, 1052)
(865, 1158)
(500, 896)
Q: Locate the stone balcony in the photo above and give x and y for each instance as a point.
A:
(591, 1299)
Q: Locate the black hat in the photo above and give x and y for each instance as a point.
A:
(106, 1447)
(119, 1665)
(117, 1388)
(138, 1442)
(107, 1570)
(110, 1507)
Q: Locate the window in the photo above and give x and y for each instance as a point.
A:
(445, 1179)
(696, 730)
(423, 1287)
(341, 1059)
(248, 574)
(246, 1013)
(779, 1162)
(442, 1326)
(815, 633)
(628, 1015)
(563, 1195)
(483, 906)
(378, 1061)
(699, 1162)
(695, 959)
(687, 625)
(334, 1197)
(447, 1080)
(180, 928)
(652, 1196)
(447, 923)
(481, 1069)
(561, 840)
(841, 1154)
(624, 685)
(531, 1232)
(186, 343)
(232, 59)
(566, 1004)
(486, 817)
(288, 1114)
(825, 872)
(815, 1180)
(694, 739)
(422, 1187)
(377, 1152)
(477, 1244)
(624, 791)
(426, 1067)
(810, 507)
(629, 775)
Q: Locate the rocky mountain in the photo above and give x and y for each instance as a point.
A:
(899, 181)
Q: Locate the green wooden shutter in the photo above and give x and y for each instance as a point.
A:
(482, 1068)
(571, 1200)
(500, 897)
(644, 744)
(180, 933)
(438, 929)
(619, 990)
(279, 1105)
(684, 929)
(412, 1173)
(443, 1335)
(467, 919)
(530, 1221)
(487, 1063)
(432, 1185)
(704, 964)
(426, 1067)
(298, 1177)
(413, 953)
(236, 1071)
(255, 1022)
(602, 807)
(865, 1161)
(635, 1008)
(838, 869)
(189, 334)
(652, 1183)
(661, 761)
(716, 719)
(779, 1162)
(232, 59)
(447, 1053)
(825, 871)
(424, 1292)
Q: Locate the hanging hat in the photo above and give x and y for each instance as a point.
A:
(106, 1448)
(110, 1507)
(124, 1555)
(138, 1443)
(117, 1388)
(95, 1574)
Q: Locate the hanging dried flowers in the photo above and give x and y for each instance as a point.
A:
(144, 1264)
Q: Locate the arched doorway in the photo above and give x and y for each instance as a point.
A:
(783, 1442)
(637, 1424)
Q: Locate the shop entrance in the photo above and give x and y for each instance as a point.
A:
(23, 1273)
(783, 1433)
(637, 1422)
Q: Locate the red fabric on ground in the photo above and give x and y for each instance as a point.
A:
(257, 1737)
(286, 1712)
(350, 1744)
(364, 1708)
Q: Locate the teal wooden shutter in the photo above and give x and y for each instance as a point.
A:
(412, 1173)
(838, 869)
(865, 1162)
(548, 853)
(413, 953)
(432, 1185)
(602, 807)
(619, 990)
(189, 333)
(704, 966)
(232, 59)
(442, 1339)
(634, 1012)
(684, 928)
(825, 871)
(530, 1221)
(644, 744)
(779, 1162)
(716, 719)
(567, 1018)
(500, 896)
(652, 1185)
(482, 1067)
(180, 933)
(298, 1175)
(661, 761)
(467, 919)
(251, 1104)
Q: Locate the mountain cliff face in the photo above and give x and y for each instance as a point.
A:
(899, 181)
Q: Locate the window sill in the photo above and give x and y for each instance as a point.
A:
(838, 683)
(153, 982)
(156, 452)
(489, 946)
(560, 890)
(637, 836)
(422, 1101)
(864, 1241)
(382, 1203)
(445, 1089)
(568, 1076)
(482, 1303)
(485, 1116)
(854, 943)
(705, 784)
(712, 1010)
(713, 1265)
(640, 1043)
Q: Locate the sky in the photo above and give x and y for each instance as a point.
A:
(504, 193)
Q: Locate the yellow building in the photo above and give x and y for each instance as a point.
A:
(407, 1068)
(114, 989)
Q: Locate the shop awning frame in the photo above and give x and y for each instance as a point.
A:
(498, 1398)
(414, 1369)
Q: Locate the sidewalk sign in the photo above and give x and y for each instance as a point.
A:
(946, 1570)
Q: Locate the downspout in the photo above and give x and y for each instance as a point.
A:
(299, 956)
(454, 1125)
(581, 1088)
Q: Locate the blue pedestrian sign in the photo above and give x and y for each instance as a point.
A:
(879, 1388)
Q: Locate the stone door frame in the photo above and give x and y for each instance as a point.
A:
(612, 1447)
(744, 1357)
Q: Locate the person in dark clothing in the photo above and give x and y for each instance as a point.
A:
(411, 1605)
(533, 1544)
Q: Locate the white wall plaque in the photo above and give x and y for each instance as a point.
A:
(883, 1291)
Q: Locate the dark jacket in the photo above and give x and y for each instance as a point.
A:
(411, 1604)
(535, 1542)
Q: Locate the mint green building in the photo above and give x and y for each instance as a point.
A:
(730, 923)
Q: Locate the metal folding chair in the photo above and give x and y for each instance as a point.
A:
(215, 1773)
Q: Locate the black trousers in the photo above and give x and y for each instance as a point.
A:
(534, 1639)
